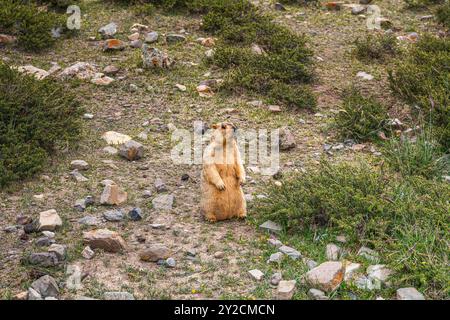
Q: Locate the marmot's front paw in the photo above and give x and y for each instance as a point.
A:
(241, 180)
(220, 185)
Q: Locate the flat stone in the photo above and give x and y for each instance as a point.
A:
(275, 257)
(89, 221)
(286, 289)
(46, 286)
(113, 215)
(271, 226)
(44, 241)
(78, 176)
(291, 252)
(115, 138)
(118, 296)
(163, 202)
(276, 278)
(155, 252)
(131, 150)
(49, 220)
(409, 294)
(43, 259)
(175, 38)
(317, 294)
(256, 274)
(327, 276)
(111, 70)
(79, 165)
(104, 239)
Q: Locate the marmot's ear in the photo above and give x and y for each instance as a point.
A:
(214, 126)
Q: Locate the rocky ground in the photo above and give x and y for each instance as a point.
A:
(165, 249)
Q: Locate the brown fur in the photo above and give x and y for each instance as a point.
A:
(222, 176)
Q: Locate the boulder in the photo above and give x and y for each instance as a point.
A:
(49, 220)
(327, 276)
(104, 239)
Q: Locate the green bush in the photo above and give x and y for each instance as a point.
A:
(31, 26)
(361, 118)
(422, 79)
(421, 3)
(281, 73)
(36, 118)
(443, 15)
(421, 156)
(375, 47)
(405, 220)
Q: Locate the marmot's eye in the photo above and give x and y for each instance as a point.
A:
(223, 126)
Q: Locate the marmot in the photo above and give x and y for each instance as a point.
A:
(222, 176)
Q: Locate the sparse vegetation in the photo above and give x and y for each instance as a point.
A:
(378, 47)
(422, 79)
(36, 118)
(360, 118)
(443, 15)
(421, 156)
(404, 219)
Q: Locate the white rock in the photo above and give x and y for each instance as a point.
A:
(275, 257)
(49, 220)
(113, 138)
(286, 289)
(39, 74)
(364, 75)
(327, 276)
(256, 274)
(332, 251)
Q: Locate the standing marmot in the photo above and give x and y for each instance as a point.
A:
(222, 176)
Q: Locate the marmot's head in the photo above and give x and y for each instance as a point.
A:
(223, 132)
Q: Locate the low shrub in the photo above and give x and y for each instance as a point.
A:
(360, 118)
(422, 79)
(31, 26)
(375, 47)
(405, 220)
(36, 118)
(421, 156)
(283, 69)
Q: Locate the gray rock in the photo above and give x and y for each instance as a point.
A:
(291, 252)
(59, 250)
(332, 251)
(163, 202)
(271, 226)
(151, 37)
(79, 165)
(275, 242)
(409, 294)
(317, 294)
(89, 221)
(287, 140)
(135, 214)
(311, 264)
(358, 10)
(43, 259)
(132, 150)
(44, 241)
(175, 38)
(286, 289)
(108, 31)
(160, 185)
(118, 296)
(275, 279)
(136, 44)
(33, 295)
(113, 215)
(87, 253)
(46, 286)
(78, 176)
(170, 262)
(365, 1)
(256, 274)
(80, 205)
(275, 257)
